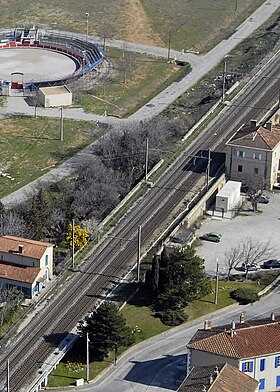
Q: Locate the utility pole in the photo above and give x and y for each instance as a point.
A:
(169, 45)
(87, 15)
(217, 283)
(147, 160)
(73, 244)
(61, 125)
(8, 375)
(87, 358)
(235, 5)
(224, 82)
(139, 253)
(115, 355)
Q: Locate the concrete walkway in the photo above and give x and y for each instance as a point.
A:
(201, 66)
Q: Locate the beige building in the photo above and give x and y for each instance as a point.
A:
(25, 264)
(252, 347)
(253, 154)
(55, 96)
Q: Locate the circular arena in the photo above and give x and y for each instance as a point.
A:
(32, 57)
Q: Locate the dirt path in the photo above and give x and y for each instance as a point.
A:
(137, 27)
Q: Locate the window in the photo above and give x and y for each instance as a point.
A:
(262, 365)
(247, 366)
(277, 361)
(239, 168)
(240, 154)
(256, 170)
(261, 384)
(46, 260)
(278, 381)
(257, 156)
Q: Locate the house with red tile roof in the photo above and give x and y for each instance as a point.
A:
(253, 155)
(218, 378)
(25, 264)
(253, 347)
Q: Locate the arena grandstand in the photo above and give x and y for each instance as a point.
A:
(86, 54)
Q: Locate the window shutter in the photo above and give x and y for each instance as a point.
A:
(262, 365)
(276, 362)
(251, 366)
(243, 367)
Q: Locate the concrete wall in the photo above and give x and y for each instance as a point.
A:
(200, 208)
(201, 358)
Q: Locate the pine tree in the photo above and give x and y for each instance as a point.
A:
(155, 277)
(38, 215)
(163, 271)
(107, 330)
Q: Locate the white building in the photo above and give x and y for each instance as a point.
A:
(228, 200)
(253, 347)
(55, 96)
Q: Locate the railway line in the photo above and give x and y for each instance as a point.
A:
(110, 261)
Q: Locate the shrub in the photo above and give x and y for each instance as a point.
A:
(244, 295)
(172, 317)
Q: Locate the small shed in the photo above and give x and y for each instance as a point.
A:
(229, 198)
(55, 96)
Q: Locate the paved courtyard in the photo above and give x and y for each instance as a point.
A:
(262, 226)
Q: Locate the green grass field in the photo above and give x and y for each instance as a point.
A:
(30, 147)
(139, 315)
(134, 80)
(194, 25)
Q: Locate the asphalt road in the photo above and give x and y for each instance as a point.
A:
(158, 364)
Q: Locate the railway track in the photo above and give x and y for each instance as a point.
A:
(110, 260)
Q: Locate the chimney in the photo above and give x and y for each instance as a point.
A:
(232, 333)
(268, 126)
(272, 316)
(211, 379)
(204, 388)
(207, 324)
(216, 371)
(20, 249)
(233, 324)
(242, 318)
(253, 124)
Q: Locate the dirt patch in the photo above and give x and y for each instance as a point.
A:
(137, 27)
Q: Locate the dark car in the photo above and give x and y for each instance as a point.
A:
(214, 237)
(271, 264)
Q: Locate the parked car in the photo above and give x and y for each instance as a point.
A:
(271, 264)
(263, 199)
(252, 267)
(276, 185)
(212, 236)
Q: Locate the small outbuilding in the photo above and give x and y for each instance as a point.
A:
(55, 96)
(229, 199)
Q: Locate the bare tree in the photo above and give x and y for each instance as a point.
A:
(254, 251)
(233, 257)
(9, 299)
(12, 224)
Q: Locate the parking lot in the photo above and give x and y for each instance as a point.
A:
(262, 226)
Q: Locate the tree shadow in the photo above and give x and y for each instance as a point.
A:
(163, 372)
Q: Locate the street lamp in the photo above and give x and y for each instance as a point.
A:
(217, 283)
(87, 16)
